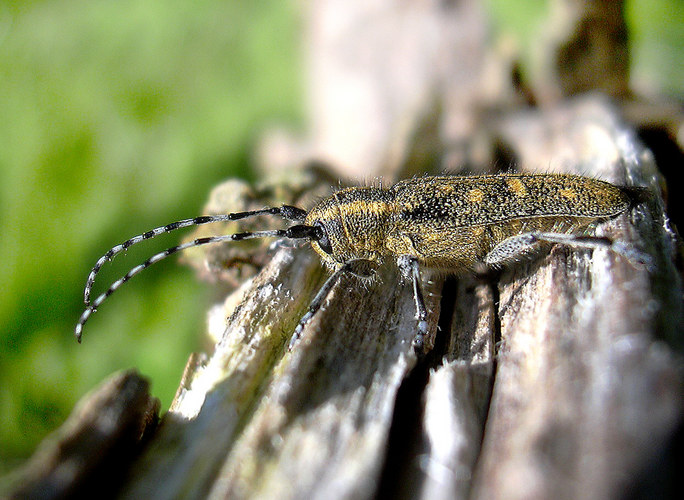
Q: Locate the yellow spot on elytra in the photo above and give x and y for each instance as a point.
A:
(475, 195)
(517, 187)
(477, 231)
(568, 193)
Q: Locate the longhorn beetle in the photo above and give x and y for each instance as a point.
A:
(451, 224)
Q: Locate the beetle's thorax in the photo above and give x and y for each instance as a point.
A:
(356, 221)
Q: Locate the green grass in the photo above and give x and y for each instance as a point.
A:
(657, 46)
(116, 117)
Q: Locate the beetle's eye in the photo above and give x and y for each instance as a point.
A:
(322, 238)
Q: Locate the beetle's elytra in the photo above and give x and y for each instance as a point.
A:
(453, 224)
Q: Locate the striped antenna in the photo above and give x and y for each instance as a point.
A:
(286, 211)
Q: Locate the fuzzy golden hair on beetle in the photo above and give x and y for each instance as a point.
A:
(449, 224)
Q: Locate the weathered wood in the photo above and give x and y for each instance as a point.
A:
(583, 47)
(397, 87)
(584, 391)
(257, 422)
(565, 340)
(558, 378)
(94, 447)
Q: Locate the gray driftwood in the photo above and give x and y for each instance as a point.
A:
(559, 378)
(95, 446)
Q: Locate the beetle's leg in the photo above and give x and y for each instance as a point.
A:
(516, 246)
(511, 249)
(359, 267)
(410, 268)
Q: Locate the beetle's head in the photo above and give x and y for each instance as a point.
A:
(350, 225)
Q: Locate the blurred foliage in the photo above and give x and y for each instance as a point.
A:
(657, 46)
(656, 34)
(116, 117)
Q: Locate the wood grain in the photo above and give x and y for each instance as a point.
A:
(560, 377)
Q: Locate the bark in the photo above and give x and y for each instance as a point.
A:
(559, 378)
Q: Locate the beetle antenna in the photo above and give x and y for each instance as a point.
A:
(294, 232)
(286, 211)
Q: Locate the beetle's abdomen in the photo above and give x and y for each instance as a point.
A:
(452, 222)
(483, 200)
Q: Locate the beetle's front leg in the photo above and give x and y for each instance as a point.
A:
(359, 267)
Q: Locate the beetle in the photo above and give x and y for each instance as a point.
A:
(453, 224)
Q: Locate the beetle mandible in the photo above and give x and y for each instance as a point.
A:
(447, 223)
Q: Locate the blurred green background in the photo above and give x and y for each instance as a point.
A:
(116, 117)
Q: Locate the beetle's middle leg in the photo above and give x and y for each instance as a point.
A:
(410, 268)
